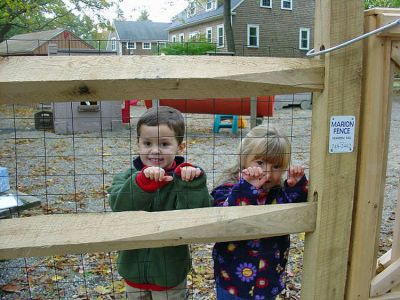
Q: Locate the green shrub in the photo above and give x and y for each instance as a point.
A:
(196, 46)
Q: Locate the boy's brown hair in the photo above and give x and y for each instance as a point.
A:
(164, 115)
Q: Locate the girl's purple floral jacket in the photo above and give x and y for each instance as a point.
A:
(254, 269)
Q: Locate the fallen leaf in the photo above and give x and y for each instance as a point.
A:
(102, 290)
(12, 288)
(56, 278)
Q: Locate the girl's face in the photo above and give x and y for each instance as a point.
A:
(273, 172)
(158, 146)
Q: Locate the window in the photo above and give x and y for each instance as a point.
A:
(146, 45)
(252, 35)
(209, 34)
(113, 44)
(304, 39)
(193, 35)
(286, 4)
(220, 36)
(130, 45)
(210, 5)
(89, 106)
(161, 44)
(266, 3)
(181, 37)
(173, 38)
(191, 10)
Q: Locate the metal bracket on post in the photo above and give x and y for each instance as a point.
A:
(253, 112)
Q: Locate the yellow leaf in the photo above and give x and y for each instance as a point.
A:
(102, 290)
(56, 278)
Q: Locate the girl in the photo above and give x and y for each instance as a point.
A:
(255, 269)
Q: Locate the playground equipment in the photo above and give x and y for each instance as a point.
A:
(126, 110)
(342, 217)
(261, 106)
(218, 123)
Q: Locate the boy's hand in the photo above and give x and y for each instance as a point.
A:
(189, 173)
(295, 173)
(254, 175)
(156, 174)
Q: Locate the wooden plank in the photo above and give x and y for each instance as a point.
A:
(77, 78)
(396, 53)
(373, 149)
(389, 296)
(78, 233)
(396, 230)
(386, 18)
(386, 280)
(384, 260)
(380, 10)
(332, 176)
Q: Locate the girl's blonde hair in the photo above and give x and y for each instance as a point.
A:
(263, 142)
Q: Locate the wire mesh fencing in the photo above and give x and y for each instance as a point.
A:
(68, 172)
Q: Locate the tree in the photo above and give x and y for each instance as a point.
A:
(230, 41)
(21, 16)
(144, 15)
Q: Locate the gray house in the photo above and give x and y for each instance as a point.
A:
(261, 27)
(137, 37)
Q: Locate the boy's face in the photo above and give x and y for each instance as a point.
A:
(158, 146)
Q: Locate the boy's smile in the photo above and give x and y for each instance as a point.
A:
(158, 146)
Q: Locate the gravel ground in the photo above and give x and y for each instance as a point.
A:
(70, 174)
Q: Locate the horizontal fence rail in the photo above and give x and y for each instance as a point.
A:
(73, 78)
(79, 233)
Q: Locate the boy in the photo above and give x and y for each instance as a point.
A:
(159, 180)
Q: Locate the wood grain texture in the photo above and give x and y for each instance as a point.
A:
(373, 150)
(386, 280)
(79, 233)
(332, 175)
(389, 296)
(77, 78)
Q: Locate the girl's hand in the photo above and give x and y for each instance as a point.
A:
(189, 173)
(156, 174)
(254, 175)
(295, 173)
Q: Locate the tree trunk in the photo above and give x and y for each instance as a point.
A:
(228, 26)
(4, 30)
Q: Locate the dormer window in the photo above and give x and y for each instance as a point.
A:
(210, 5)
(191, 10)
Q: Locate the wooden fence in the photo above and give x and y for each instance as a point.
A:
(346, 192)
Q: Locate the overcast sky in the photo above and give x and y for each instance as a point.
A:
(160, 10)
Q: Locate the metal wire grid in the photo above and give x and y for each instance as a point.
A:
(71, 173)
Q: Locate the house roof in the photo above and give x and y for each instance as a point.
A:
(181, 20)
(28, 42)
(141, 30)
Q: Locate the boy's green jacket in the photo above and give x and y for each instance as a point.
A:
(166, 266)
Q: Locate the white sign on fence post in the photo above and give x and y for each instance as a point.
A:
(341, 136)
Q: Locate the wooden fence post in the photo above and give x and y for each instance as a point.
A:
(371, 173)
(332, 175)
